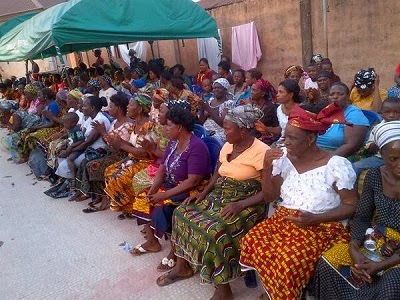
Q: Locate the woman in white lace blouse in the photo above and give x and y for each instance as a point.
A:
(317, 196)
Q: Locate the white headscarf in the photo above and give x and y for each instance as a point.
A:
(223, 82)
(386, 133)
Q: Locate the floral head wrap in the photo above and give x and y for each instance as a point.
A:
(144, 101)
(244, 115)
(62, 95)
(76, 94)
(267, 88)
(94, 83)
(31, 89)
(365, 79)
(223, 82)
(291, 69)
(386, 133)
(161, 94)
(319, 123)
(107, 79)
(182, 103)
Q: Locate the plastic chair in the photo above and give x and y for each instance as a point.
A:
(199, 131)
(214, 147)
(372, 116)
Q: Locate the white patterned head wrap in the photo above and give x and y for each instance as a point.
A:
(244, 115)
(386, 133)
(224, 82)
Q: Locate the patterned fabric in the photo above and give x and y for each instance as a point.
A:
(191, 98)
(284, 254)
(118, 181)
(118, 176)
(223, 82)
(365, 79)
(207, 241)
(290, 69)
(319, 123)
(244, 115)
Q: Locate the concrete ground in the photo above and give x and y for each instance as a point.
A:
(50, 249)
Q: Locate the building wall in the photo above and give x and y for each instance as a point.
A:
(361, 34)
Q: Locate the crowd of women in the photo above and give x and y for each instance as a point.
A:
(305, 190)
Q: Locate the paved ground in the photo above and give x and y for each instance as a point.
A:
(51, 250)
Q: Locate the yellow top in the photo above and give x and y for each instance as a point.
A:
(247, 165)
(365, 103)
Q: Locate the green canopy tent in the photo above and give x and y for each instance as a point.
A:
(81, 25)
(13, 22)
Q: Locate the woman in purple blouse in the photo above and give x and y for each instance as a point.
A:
(184, 167)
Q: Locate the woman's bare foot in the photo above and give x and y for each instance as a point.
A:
(222, 292)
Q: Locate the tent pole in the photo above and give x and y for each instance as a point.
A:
(325, 25)
(26, 72)
(63, 69)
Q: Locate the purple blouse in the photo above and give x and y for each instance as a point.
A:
(195, 159)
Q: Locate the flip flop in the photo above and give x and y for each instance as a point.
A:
(167, 279)
(93, 203)
(139, 250)
(166, 264)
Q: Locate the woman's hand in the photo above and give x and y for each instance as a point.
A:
(367, 270)
(147, 144)
(231, 210)
(270, 156)
(99, 127)
(157, 197)
(302, 218)
(113, 141)
(194, 198)
(260, 127)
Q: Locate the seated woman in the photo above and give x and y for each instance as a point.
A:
(21, 120)
(60, 139)
(204, 72)
(295, 73)
(288, 96)
(251, 77)
(348, 270)
(91, 108)
(89, 179)
(367, 93)
(47, 127)
(259, 98)
(183, 168)
(178, 92)
(238, 86)
(118, 176)
(206, 233)
(317, 193)
(212, 113)
(341, 139)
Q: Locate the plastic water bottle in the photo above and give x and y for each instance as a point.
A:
(370, 248)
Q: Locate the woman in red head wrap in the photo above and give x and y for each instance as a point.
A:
(317, 194)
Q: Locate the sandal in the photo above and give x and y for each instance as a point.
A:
(93, 203)
(89, 210)
(139, 250)
(166, 264)
(168, 278)
(122, 216)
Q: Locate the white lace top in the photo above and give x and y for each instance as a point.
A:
(313, 191)
(282, 118)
